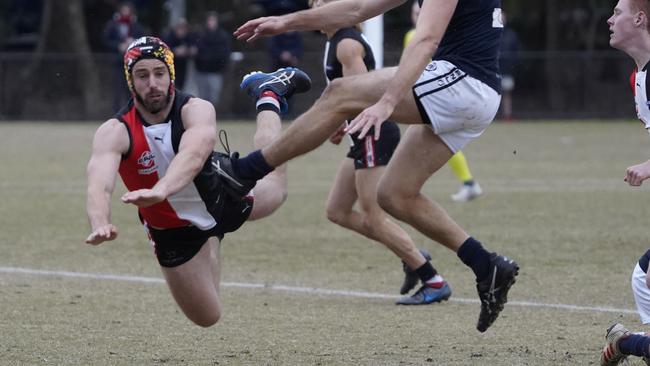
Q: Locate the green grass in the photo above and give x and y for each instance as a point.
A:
(555, 201)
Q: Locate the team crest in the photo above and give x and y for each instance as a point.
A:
(146, 160)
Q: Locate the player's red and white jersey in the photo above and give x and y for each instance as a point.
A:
(151, 151)
(639, 83)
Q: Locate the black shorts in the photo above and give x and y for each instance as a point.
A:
(176, 246)
(369, 153)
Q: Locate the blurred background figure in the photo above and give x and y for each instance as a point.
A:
(469, 189)
(181, 42)
(508, 64)
(118, 33)
(285, 50)
(213, 48)
(24, 21)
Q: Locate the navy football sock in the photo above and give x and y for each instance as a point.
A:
(426, 271)
(472, 253)
(636, 345)
(253, 166)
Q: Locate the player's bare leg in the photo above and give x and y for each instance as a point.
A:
(195, 285)
(342, 99)
(420, 154)
(270, 191)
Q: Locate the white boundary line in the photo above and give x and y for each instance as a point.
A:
(294, 289)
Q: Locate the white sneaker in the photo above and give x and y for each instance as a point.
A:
(467, 193)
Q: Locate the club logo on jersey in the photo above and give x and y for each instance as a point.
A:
(431, 66)
(146, 160)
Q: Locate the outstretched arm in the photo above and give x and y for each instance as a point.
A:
(333, 15)
(194, 149)
(430, 28)
(111, 140)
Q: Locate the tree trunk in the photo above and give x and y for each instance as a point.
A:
(553, 77)
(62, 67)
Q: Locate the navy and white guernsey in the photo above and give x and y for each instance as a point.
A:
(332, 66)
(334, 69)
(472, 40)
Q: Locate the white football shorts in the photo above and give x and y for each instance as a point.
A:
(641, 294)
(457, 106)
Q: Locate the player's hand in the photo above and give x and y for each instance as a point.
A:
(260, 27)
(143, 197)
(636, 174)
(102, 234)
(337, 136)
(372, 116)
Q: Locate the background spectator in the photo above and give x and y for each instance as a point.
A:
(213, 49)
(119, 32)
(285, 50)
(181, 42)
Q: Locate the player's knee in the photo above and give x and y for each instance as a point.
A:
(334, 215)
(281, 196)
(284, 194)
(206, 320)
(334, 94)
(371, 221)
(388, 201)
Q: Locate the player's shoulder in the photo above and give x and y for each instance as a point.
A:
(347, 33)
(193, 101)
(113, 134)
(198, 111)
(349, 47)
(113, 129)
(197, 105)
(112, 126)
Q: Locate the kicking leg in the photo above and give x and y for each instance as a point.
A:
(344, 98)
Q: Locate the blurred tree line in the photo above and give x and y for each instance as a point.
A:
(72, 29)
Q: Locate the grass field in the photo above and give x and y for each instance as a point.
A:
(555, 201)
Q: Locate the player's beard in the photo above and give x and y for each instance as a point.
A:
(156, 105)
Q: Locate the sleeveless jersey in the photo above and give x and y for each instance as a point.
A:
(640, 86)
(334, 69)
(472, 40)
(151, 150)
(332, 66)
